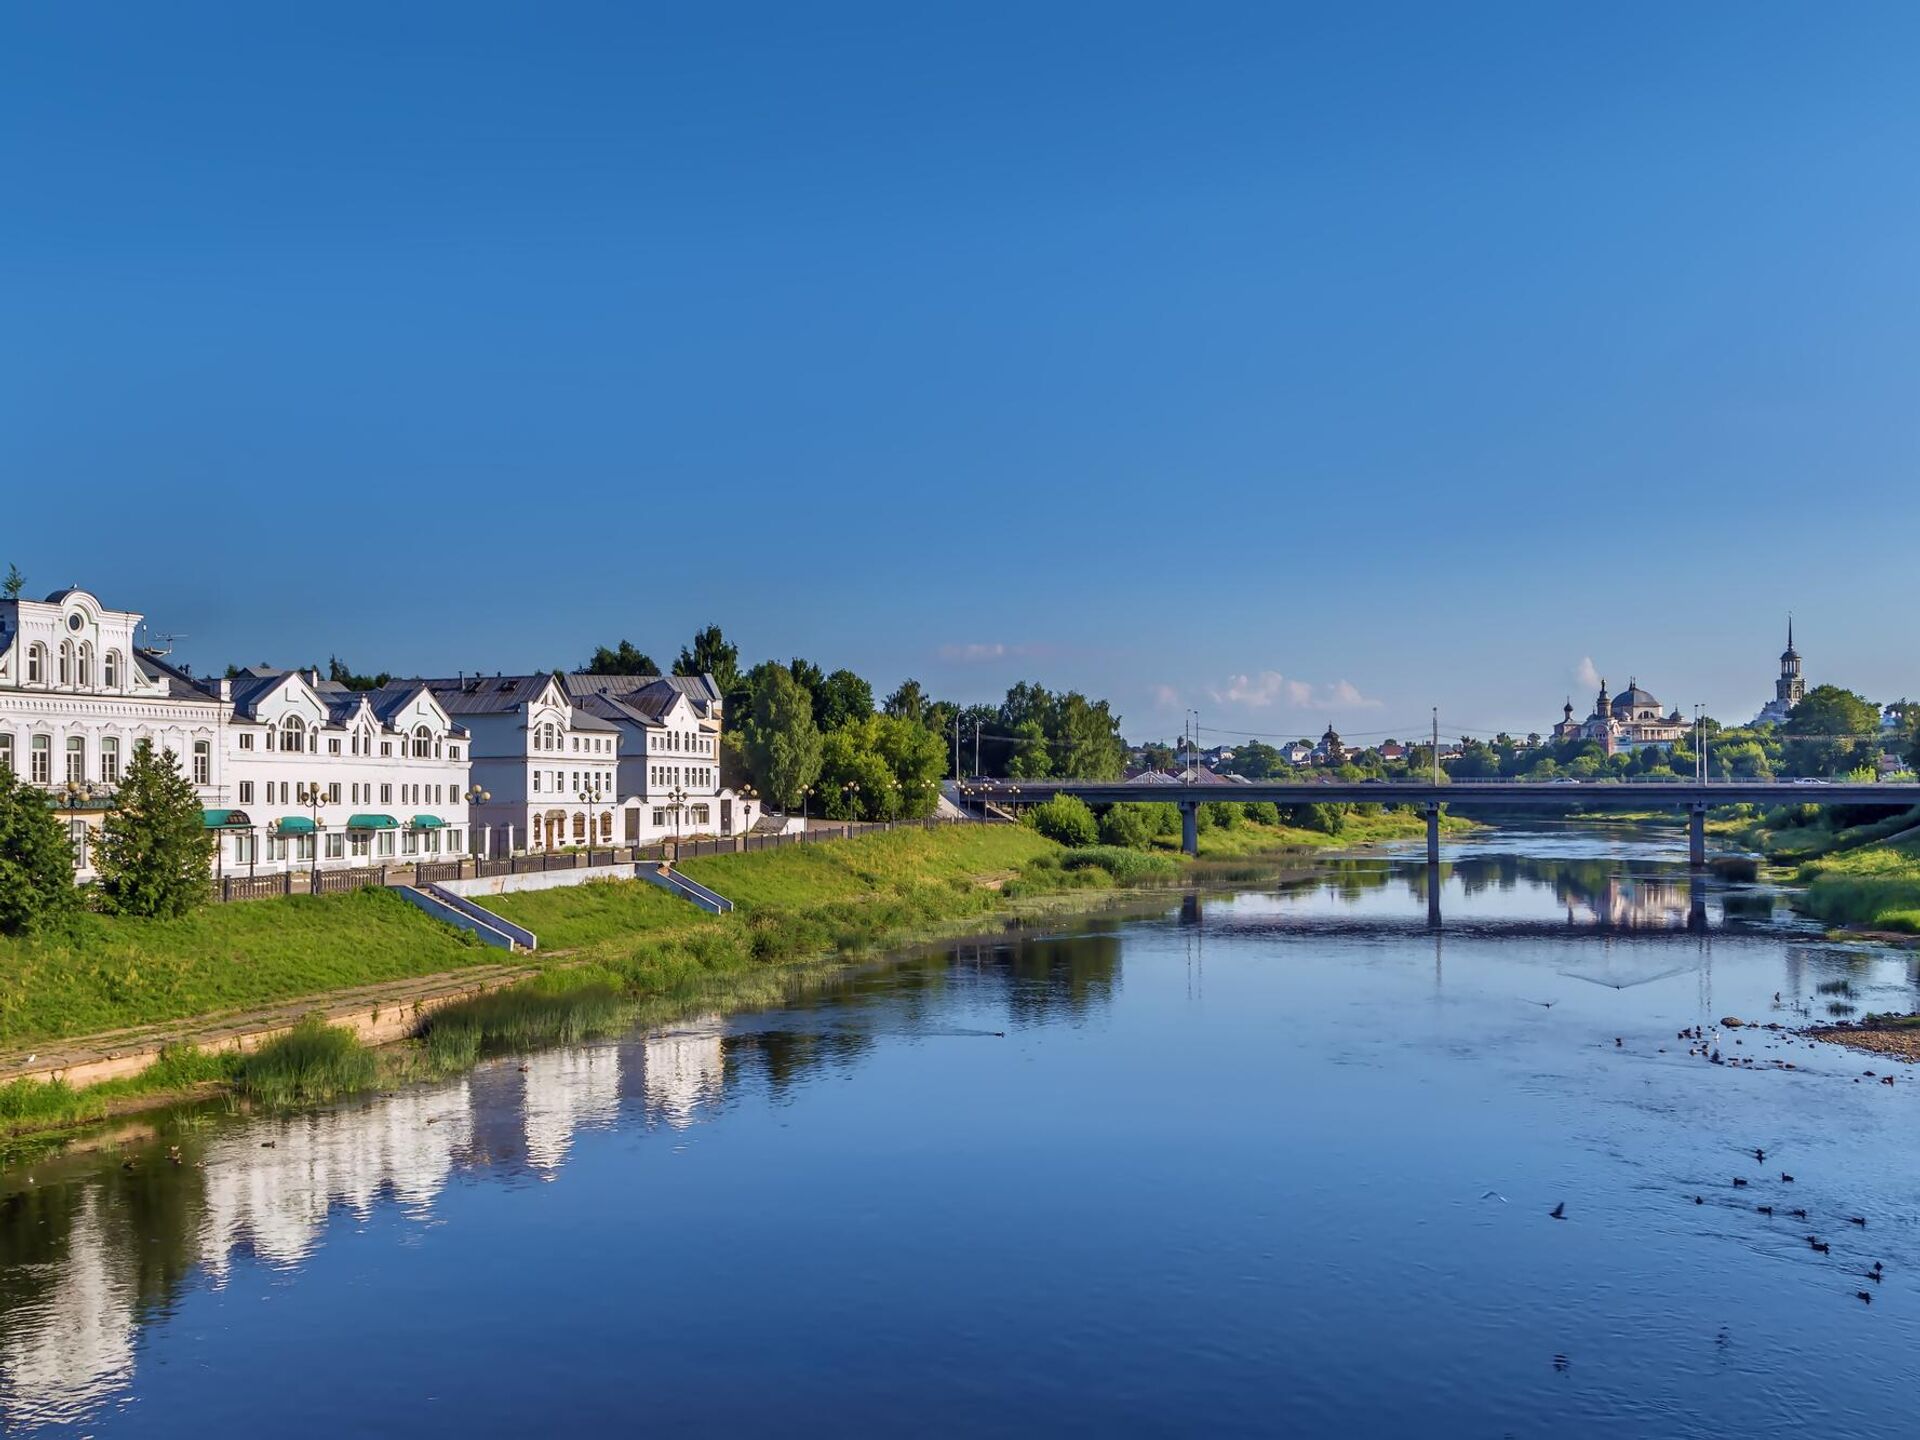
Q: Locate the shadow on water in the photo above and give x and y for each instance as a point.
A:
(100, 1253)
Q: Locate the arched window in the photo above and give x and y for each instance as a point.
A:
(110, 670)
(36, 665)
(66, 662)
(84, 676)
(422, 743)
(293, 733)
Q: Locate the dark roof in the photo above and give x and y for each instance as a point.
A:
(651, 694)
(1634, 698)
(485, 694)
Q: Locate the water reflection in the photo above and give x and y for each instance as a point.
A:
(98, 1252)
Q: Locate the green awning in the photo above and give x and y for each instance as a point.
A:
(428, 822)
(225, 820)
(295, 825)
(372, 822)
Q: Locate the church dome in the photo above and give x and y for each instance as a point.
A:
(1634, 698)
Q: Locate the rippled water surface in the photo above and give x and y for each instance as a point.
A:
(1271, 1161)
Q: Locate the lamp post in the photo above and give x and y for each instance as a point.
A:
(805, 796)
(476, 796)
(851, 790)
(314, 802)
(747, 796)
(676, 797)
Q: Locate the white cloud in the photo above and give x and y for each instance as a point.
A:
(1587, 677)
(1166, 697)
(1269, 688)
(973, 654)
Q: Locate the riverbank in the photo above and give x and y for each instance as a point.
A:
(800, 907)
(1247, 838)
(1862, 876)
(613, 953)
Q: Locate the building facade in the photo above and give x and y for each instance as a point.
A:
(320, 775)
(1631, 720)
(1789, 690)
(78, 693)
(292, 772)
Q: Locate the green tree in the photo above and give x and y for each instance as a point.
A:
(1131, 824)
(1159, 756)
(13, 584)
(843, 699)
(779, 742)
(1831, 732)
(1032, 752)
(624, 659)
(1087, 736)
(813, 680)
(909, 702)
(36, 863)
(1064, 818)
(155, 851)
(341, 673)
(711, 654)
(881, 768)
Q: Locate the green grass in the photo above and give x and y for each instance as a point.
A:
(312, 1062)
(1362, 828)
(1876, 886)
(99, 972)
(545, 1011)
(28, 1105)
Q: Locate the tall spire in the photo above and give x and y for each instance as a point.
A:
(1789, 629)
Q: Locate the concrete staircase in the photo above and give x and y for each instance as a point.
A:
(691, 891)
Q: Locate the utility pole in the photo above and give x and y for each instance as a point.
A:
(1436, 745)
(956, 747)
(976, 747)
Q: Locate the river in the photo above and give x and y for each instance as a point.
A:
(1276, 1158)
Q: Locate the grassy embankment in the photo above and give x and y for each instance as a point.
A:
(1249, 837)
(1865, 875)
(609, 949)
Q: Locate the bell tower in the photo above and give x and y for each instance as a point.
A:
(1790, 688)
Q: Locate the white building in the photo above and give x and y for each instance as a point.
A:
(284, 764)
(548, 770)
(364, 778)
(594, 759)
(669, 753)
(77, 693)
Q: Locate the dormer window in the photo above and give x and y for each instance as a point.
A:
(422, 743)
(293, 733)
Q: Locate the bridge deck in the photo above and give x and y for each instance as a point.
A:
(1559, 795)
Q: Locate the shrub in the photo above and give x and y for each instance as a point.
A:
(1065, 818)
(1126, 866)
(1222, 813)
(1131, 825)
(1262, 812)
(312, 1061)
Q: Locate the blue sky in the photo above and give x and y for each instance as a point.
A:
(1294, 363)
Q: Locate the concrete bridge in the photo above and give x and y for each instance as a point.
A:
(1691, 797)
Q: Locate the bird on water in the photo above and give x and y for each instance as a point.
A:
(1559, 1212)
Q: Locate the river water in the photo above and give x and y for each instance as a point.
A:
(1276, 1159)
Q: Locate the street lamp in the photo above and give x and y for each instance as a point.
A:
(676, 797)
(314, 802)
(851, 790)
(747, 796)
(805, 796)
(476, 796)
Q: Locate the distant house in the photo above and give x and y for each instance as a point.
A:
(1298, 753)
(1393, 750)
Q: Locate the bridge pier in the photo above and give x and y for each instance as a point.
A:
(1433, 864)
(1697, 837)
(1190, 827)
